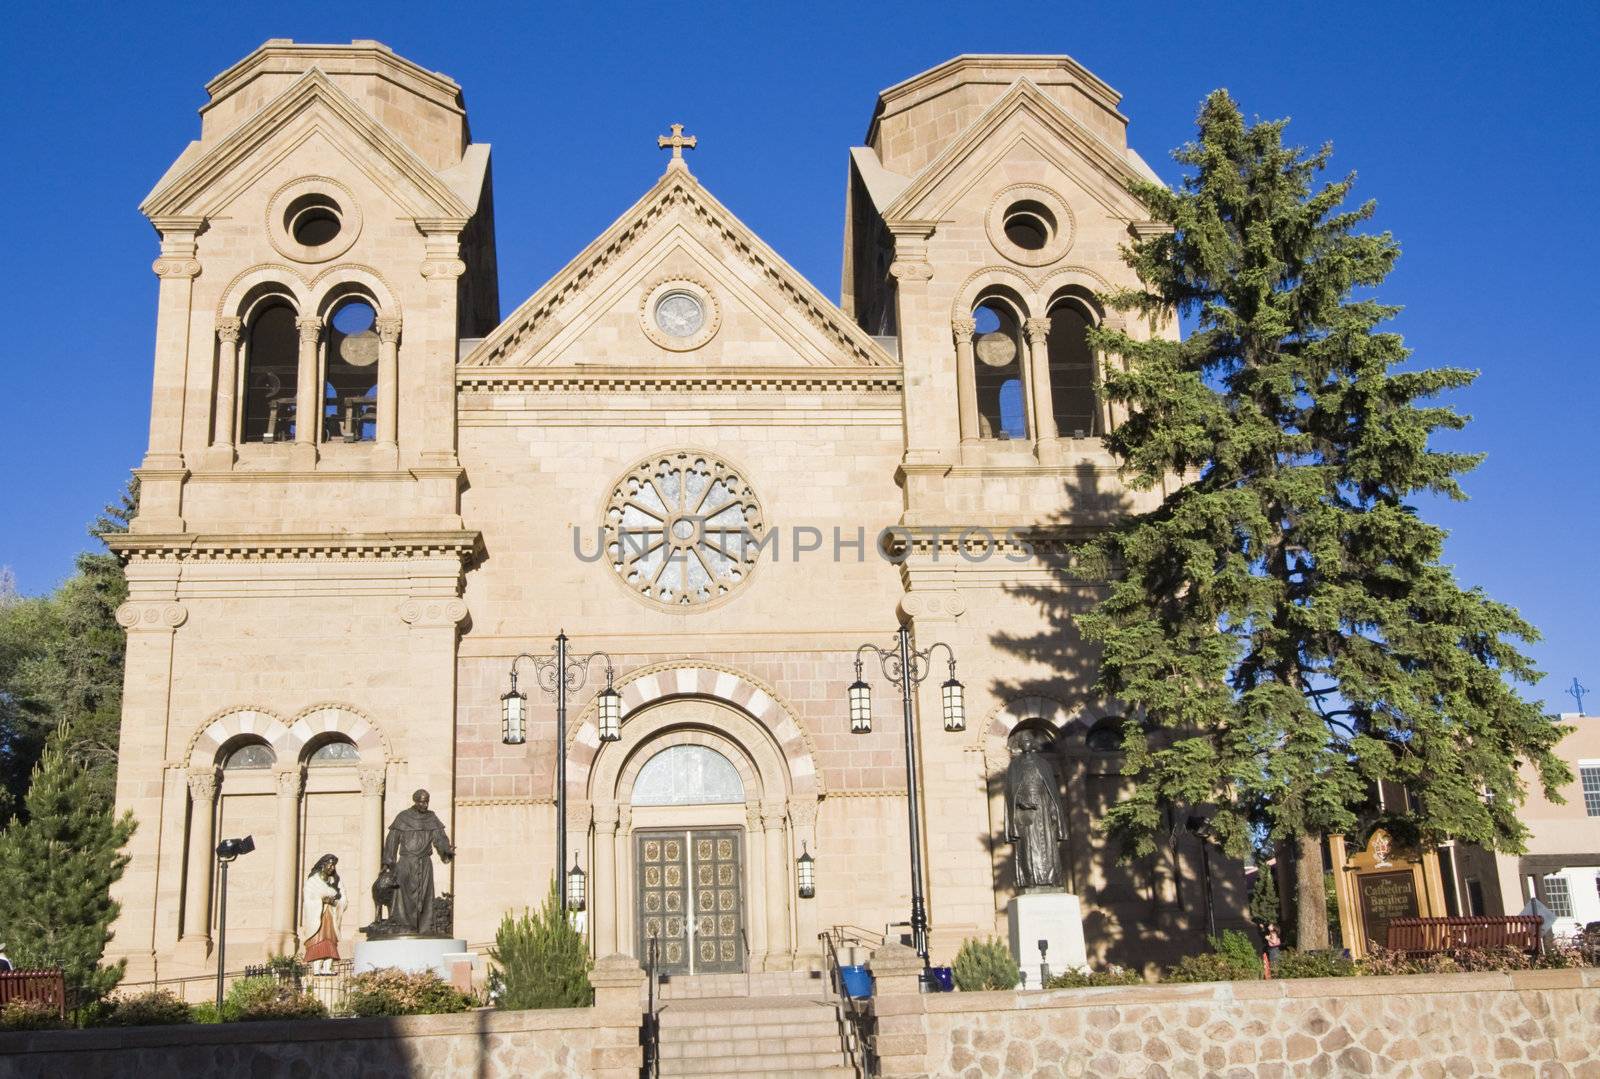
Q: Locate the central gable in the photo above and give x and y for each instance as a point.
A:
(755, 309)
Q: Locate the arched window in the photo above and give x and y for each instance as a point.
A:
(350, 386)
(1072, 375)
(1105, 736)
(998, 355)
(249, 755)
(333, 751)
(687, 775)
(271, 369)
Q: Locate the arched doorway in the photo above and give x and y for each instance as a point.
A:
(695, 835)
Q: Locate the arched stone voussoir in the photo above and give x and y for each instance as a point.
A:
(231, 723)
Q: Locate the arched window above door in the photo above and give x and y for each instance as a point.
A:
(687, 775)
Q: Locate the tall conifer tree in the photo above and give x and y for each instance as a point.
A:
(56, 871)
(1283, 620)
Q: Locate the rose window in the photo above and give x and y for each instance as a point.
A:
(683, 528)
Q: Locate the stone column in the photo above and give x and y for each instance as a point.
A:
(372, 783)
(285, 859)
(388, 386)
(603, 886)
(966, 387)
(756, 852)
(624, 896)
(779, 947)
(223, 429)
(163, 470)
(308, 391)
(1038, 384)
(803, 815)
(196, 940)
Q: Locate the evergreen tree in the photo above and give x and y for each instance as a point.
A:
(1282, 621)
(61, 662)
(540, 960)
(1265, 907)
(56, 871)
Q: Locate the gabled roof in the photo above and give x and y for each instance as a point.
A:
(1022, 97)
(200, 166)
(676, 188)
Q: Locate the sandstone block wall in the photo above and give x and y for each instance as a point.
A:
(1529, 1023)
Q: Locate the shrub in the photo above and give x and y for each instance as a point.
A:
(205, 1013)
(30, 1015)
(158, 1007)
(1233, 958)
(262, 997)
(391, 991)
(286, 968)
(1293, 964)
(985, 964)
(540, 960)
(1077, 979)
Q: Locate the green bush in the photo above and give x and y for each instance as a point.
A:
(286, 968)
(1293, 964)
(540, 961)
(985, 964)
(1077, 979)
(30, 1015)
(158, 1007)
(391, 991)
(1233, 958)
(262, 998)
(204, 1013)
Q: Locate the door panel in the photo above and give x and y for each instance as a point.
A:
(690, 898)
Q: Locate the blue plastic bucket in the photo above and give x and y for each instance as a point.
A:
(943, 978)
(857, 981)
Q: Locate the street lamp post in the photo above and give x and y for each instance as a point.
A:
(227, 851)
(1200, 828)
(560, 675)
(907, 667)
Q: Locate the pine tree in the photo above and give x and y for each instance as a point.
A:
(1264, 903)
(1282, 621)
(56, 871)
(541, 960)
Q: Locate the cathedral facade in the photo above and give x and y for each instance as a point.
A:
(368, 489)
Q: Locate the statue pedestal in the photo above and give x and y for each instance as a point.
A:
(1053, 917)
(415, 954)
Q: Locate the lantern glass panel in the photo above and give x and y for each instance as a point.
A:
(955, 707)
(860, 707)
(610, 715)
(575, 889)
(807, 869)
(513, 718)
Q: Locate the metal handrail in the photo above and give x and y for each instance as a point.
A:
(851, 1012)
(652, 1022)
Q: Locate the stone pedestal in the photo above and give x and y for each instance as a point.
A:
(414, 954)
(1053, 917)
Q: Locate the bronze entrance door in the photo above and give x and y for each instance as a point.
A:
(691, 899)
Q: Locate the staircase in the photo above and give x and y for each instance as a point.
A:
(776, 1023)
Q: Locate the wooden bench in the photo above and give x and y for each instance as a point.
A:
(49, 986)
(1431, 936)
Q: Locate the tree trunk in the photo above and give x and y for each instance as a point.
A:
(1310, 896)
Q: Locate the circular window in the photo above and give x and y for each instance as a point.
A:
(313, 219)
(679, 314)
(1029, 224)
(683, 529)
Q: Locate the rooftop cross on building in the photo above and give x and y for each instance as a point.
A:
(679, 142)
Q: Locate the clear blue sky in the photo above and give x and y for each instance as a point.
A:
(1474, 126)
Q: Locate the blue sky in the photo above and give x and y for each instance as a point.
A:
(1474, 126)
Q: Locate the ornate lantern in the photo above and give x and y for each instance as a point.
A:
(955, 706)
(860, 704)
(806, 869)
(514, 714)
(610, 714)
(575, 888)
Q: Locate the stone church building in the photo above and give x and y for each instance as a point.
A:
(370, 485)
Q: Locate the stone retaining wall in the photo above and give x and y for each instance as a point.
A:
(1529, 1023)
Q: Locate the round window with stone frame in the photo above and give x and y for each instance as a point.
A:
(1030, 225)
(683, 529)
(679, 314)
(313, 219)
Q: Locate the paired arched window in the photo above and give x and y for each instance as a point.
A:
(350, 373)
(271, 372)
(250, 754)
(1073, 400)
(999, 351)
(1030, 377)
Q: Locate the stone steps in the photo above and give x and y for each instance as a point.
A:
(768, 983)
(753, 1036)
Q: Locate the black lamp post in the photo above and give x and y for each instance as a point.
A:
(560, 675)
(227, 851)
(1200, 828)
(906, 667)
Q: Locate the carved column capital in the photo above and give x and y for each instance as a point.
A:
(175, 268)
(145, 615)
(310, 328)
(1038, 330)
(445, 268)
(910, 271)
(963, 328)
(433, 611)
(625, 818)
(388, 329)
(606, 816)
(773, 815)
(290, 781)
(372, 780)
(228, 328)
(203, 785)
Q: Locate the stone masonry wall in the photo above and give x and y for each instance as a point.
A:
(1530, 1023)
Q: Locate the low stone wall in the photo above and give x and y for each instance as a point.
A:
(485, 1043)
(1529, 1023)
